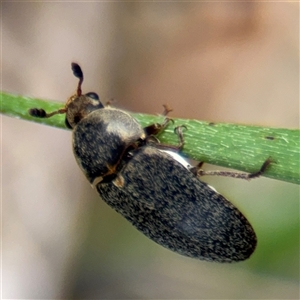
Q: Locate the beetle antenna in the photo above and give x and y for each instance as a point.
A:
(78, 73)
(40, 113)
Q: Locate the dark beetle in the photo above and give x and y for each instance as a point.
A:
(151, 185)
(170, 205)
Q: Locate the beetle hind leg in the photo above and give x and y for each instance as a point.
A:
(199, 172)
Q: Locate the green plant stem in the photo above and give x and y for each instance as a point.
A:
(234, 146)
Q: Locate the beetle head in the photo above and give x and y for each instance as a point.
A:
(77, 107)
(80, 105)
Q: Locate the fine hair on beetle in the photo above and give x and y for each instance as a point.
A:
(151, 184)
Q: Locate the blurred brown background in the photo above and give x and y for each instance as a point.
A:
(222, 62)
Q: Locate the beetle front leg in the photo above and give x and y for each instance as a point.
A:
(156, 128)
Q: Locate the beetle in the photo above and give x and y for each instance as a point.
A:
(151, 184)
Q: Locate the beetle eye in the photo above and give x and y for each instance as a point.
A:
(92, 95)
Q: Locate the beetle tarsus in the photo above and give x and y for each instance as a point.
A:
(262, 169)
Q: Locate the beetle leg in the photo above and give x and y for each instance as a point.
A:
(178, 148)
(199, 172)
(195, 170)
(156, 128)
(178, 131)
(167, 110)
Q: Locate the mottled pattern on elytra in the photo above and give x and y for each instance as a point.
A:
(172, 207)
(100, 140)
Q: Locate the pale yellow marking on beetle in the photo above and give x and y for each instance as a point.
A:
(96, 181)
(119, 181)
